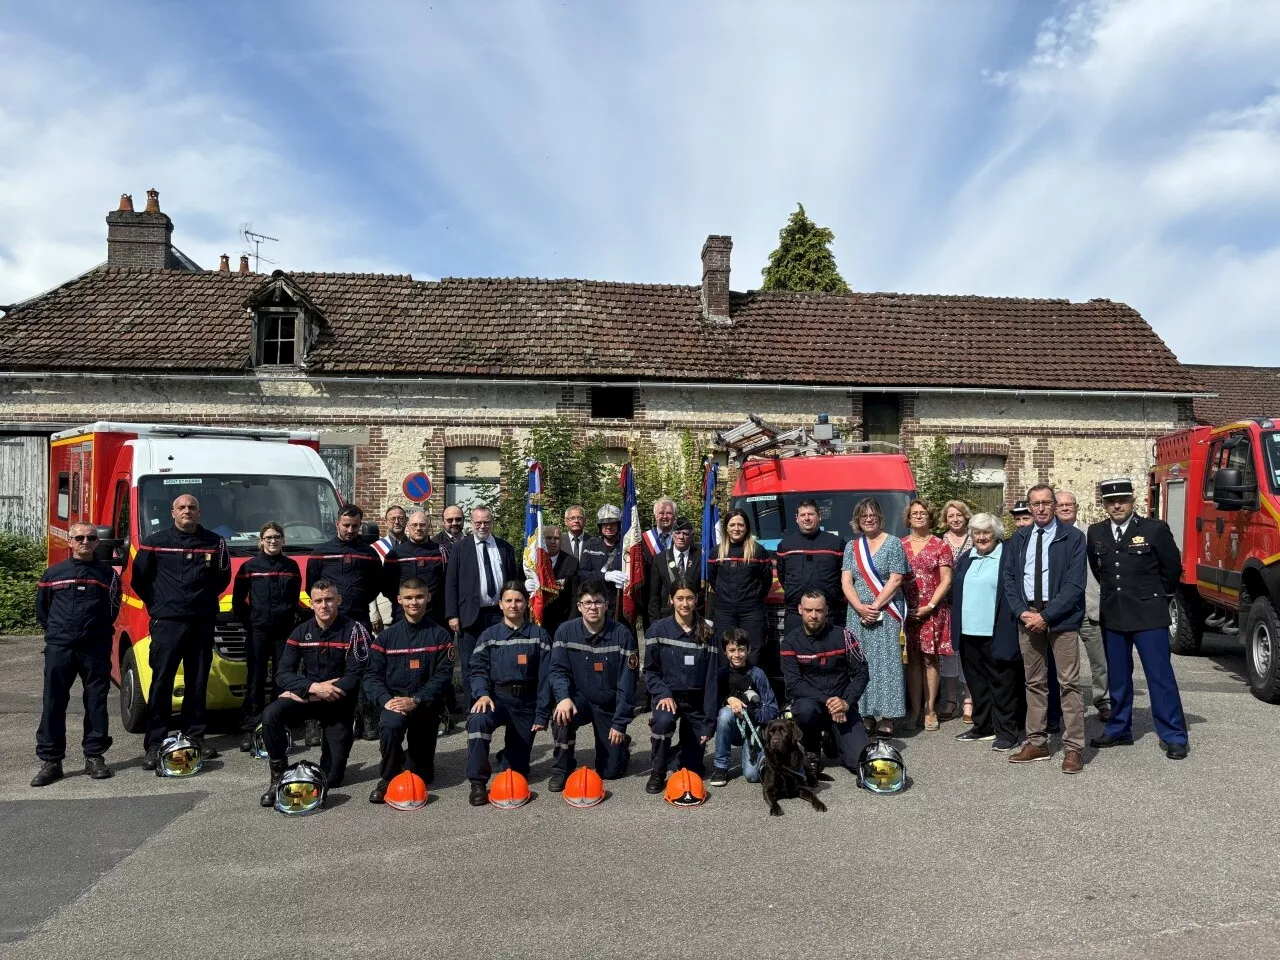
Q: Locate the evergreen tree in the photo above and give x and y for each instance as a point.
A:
(803, 260)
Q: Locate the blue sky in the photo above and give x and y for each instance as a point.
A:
(1127, 149)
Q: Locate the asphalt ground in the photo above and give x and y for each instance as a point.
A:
(1139, 856)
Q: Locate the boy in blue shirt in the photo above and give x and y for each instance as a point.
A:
(744, 691)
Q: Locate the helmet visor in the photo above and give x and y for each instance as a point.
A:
(299, 796)
(883, 775)
(183, 761)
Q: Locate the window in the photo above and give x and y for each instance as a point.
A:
(278, 337)
(471, 475)
(881, 420)
(1212, 463)
(121, 528)
(988, 481)
(341, 461)
(613, 403)
(64, 496)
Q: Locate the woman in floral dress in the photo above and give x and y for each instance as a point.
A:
(873, 555)
(928, 609)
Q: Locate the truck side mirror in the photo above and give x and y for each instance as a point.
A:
(108, 548)
(1230, 492)
(369, 532)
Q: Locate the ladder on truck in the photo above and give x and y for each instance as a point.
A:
(756, 438)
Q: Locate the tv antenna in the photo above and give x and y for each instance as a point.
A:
(255, 240)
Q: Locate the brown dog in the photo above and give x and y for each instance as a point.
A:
(787, 771)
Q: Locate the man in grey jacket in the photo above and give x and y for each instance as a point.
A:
(1091, 627)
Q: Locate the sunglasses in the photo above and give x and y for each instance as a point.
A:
(85, 538)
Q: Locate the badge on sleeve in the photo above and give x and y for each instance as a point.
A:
(633, 661)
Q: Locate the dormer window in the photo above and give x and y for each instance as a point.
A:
(278, 337)
(286, 324)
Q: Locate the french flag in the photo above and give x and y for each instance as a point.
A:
(537, 564)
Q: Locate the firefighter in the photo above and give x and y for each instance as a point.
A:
(264, 598)
(681, 670)
(419, 557)
(356, 569)
(593, 680)
(510, 680)
(1137, 563)
(179, 574)
(77, 602)
(602, 556)
(319, 676)
(410, 667)
(824, 681)
(810, 559)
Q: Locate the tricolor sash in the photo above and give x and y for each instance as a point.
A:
(652, 541)
(897, 607)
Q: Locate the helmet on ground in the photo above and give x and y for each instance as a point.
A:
(584, 788)
(608, 514)
(509, 790)
(685, 789)
(179, 757)
(259, 748)
(880, 768)
(302, 789)
(406, 791)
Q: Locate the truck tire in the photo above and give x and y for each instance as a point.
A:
(1186, 630)
(133, 703)
(1262, 650)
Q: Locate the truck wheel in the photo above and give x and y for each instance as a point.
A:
(133, 704)
(1186, 630)
(1262, 650)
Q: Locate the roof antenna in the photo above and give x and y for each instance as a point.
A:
(255, 239)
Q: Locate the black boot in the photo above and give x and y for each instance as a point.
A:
(315, 733)
(51, 771)
(479, 795)
(152, 759)
(246, 741)
(268, 799)
(657, 782)
(357, 728)
(379, 792)
(371, 721)
(97, 768)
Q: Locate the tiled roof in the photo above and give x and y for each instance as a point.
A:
(122, 319)
(1241, 392)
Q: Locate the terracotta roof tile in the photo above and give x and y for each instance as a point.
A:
(1241, 392)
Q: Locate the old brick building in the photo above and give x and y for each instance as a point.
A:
(400, 374)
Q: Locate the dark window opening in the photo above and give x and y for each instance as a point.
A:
(64, 496)
(278, 339)
(121, 528)
(613, 403)
(75, 492)
(881, 420)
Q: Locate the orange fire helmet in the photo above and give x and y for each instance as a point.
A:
(509, 790)
(406, 791)
(584, 788)
(685, 789)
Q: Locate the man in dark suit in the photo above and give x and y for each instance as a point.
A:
(478, 566)
(1138, 566)
(565, 568)
(681, 561)
(1043, 583)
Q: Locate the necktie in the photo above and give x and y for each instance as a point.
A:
(1039, 570)
(490, 581)
(680, 568)
(577, 548)
(1118, 533)
(666, 540)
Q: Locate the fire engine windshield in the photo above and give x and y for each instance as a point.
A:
(773, 515)
(236, 507)
(1271, 444)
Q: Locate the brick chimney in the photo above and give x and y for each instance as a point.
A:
(715, 279)
(244, 264)
(224, 264)
(139, 239)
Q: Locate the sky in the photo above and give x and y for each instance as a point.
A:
(1121, 149)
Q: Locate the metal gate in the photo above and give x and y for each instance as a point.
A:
(341, 461)
(23, 486)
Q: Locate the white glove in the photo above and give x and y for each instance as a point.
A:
(617, 578)
(531, 585)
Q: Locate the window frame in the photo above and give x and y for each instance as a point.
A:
(606, 401)
(265, 317)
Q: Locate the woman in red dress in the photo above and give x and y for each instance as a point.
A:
(928, 626)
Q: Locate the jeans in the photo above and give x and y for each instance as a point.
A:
(729, 734)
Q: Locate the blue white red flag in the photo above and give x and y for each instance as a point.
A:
(537, 563)
(632, 551)
(710, 516)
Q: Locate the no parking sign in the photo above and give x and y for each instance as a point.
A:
(417, 487)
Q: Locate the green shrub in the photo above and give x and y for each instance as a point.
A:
(22, 560)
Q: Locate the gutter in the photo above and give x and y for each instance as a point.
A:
(458, 382)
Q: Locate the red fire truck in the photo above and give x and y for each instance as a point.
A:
(123, 479)
(779, 469)
(1218, 488)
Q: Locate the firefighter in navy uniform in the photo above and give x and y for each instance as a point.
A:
(318, 677)
(179, 574)
(810, 558)
(602, 556)
(77, 602)
(410, 667)
(593, 680)
(1137, 563)
(681, 670)
(824, 681)
(264, 597)
(356, 569)
(419, 557)
(510, 681)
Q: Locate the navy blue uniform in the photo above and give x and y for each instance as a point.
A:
(679, 666)
(77, 602)
(811, 562)
(815, 669)
(312, 655)
(738, 591)
(513, 669)
(421, 561)
(598, 558)
(180, 576)
(354, 568)
(598, 673)
(264, 597)
(1136, 575)
(410, 660)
